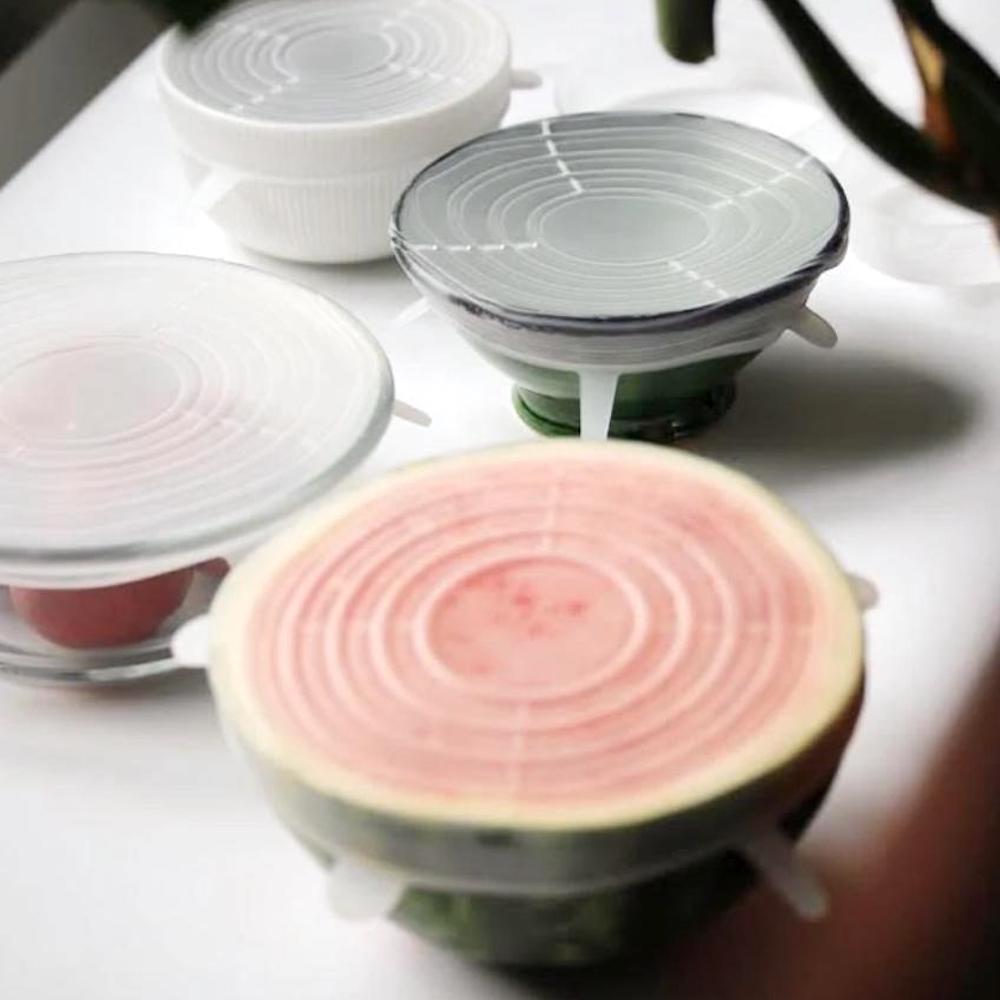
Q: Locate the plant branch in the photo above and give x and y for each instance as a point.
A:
(190, 14)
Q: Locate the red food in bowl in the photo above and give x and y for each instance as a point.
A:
(103, 616)
(214, 567)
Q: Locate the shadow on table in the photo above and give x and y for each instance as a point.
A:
(975, 296)
(178, 686)
(639, 978)
(797, 416)
(355, 276)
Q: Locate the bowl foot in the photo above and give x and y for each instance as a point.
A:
(661, 421)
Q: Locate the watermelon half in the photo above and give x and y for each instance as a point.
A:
(549, 688)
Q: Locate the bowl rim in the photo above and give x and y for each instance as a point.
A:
(359, 128)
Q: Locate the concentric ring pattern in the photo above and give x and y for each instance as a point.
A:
(154, 405)
(317, 61)
(619, 215)
(543, 631)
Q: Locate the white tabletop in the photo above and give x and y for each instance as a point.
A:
(136, 859)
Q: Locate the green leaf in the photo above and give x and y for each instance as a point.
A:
(965, 91)
(687, 28)
(686, 31)
(189, 13)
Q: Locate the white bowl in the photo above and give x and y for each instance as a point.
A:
(299, 122)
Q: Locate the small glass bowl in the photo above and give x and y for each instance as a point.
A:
(28, 658)
(159, 412)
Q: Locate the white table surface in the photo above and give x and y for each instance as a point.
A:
(136, 859)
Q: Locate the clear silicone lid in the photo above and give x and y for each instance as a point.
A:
(615, 635)
(610, 632)
(614, 222)
(913, 234)
(159, 410)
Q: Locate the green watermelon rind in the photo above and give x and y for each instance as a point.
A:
(591, 928)
(702, 875)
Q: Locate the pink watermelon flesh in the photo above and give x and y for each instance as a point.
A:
(546, 632)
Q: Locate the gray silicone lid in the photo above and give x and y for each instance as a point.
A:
(620, 220)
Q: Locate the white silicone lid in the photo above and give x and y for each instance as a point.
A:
(308, 87)
(159, 410)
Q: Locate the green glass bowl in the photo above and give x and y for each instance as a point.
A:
(664, 249)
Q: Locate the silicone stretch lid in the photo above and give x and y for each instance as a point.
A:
(299, 86)
(618, 222)
(156, 410)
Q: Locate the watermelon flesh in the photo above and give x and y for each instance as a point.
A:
(508, 675)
